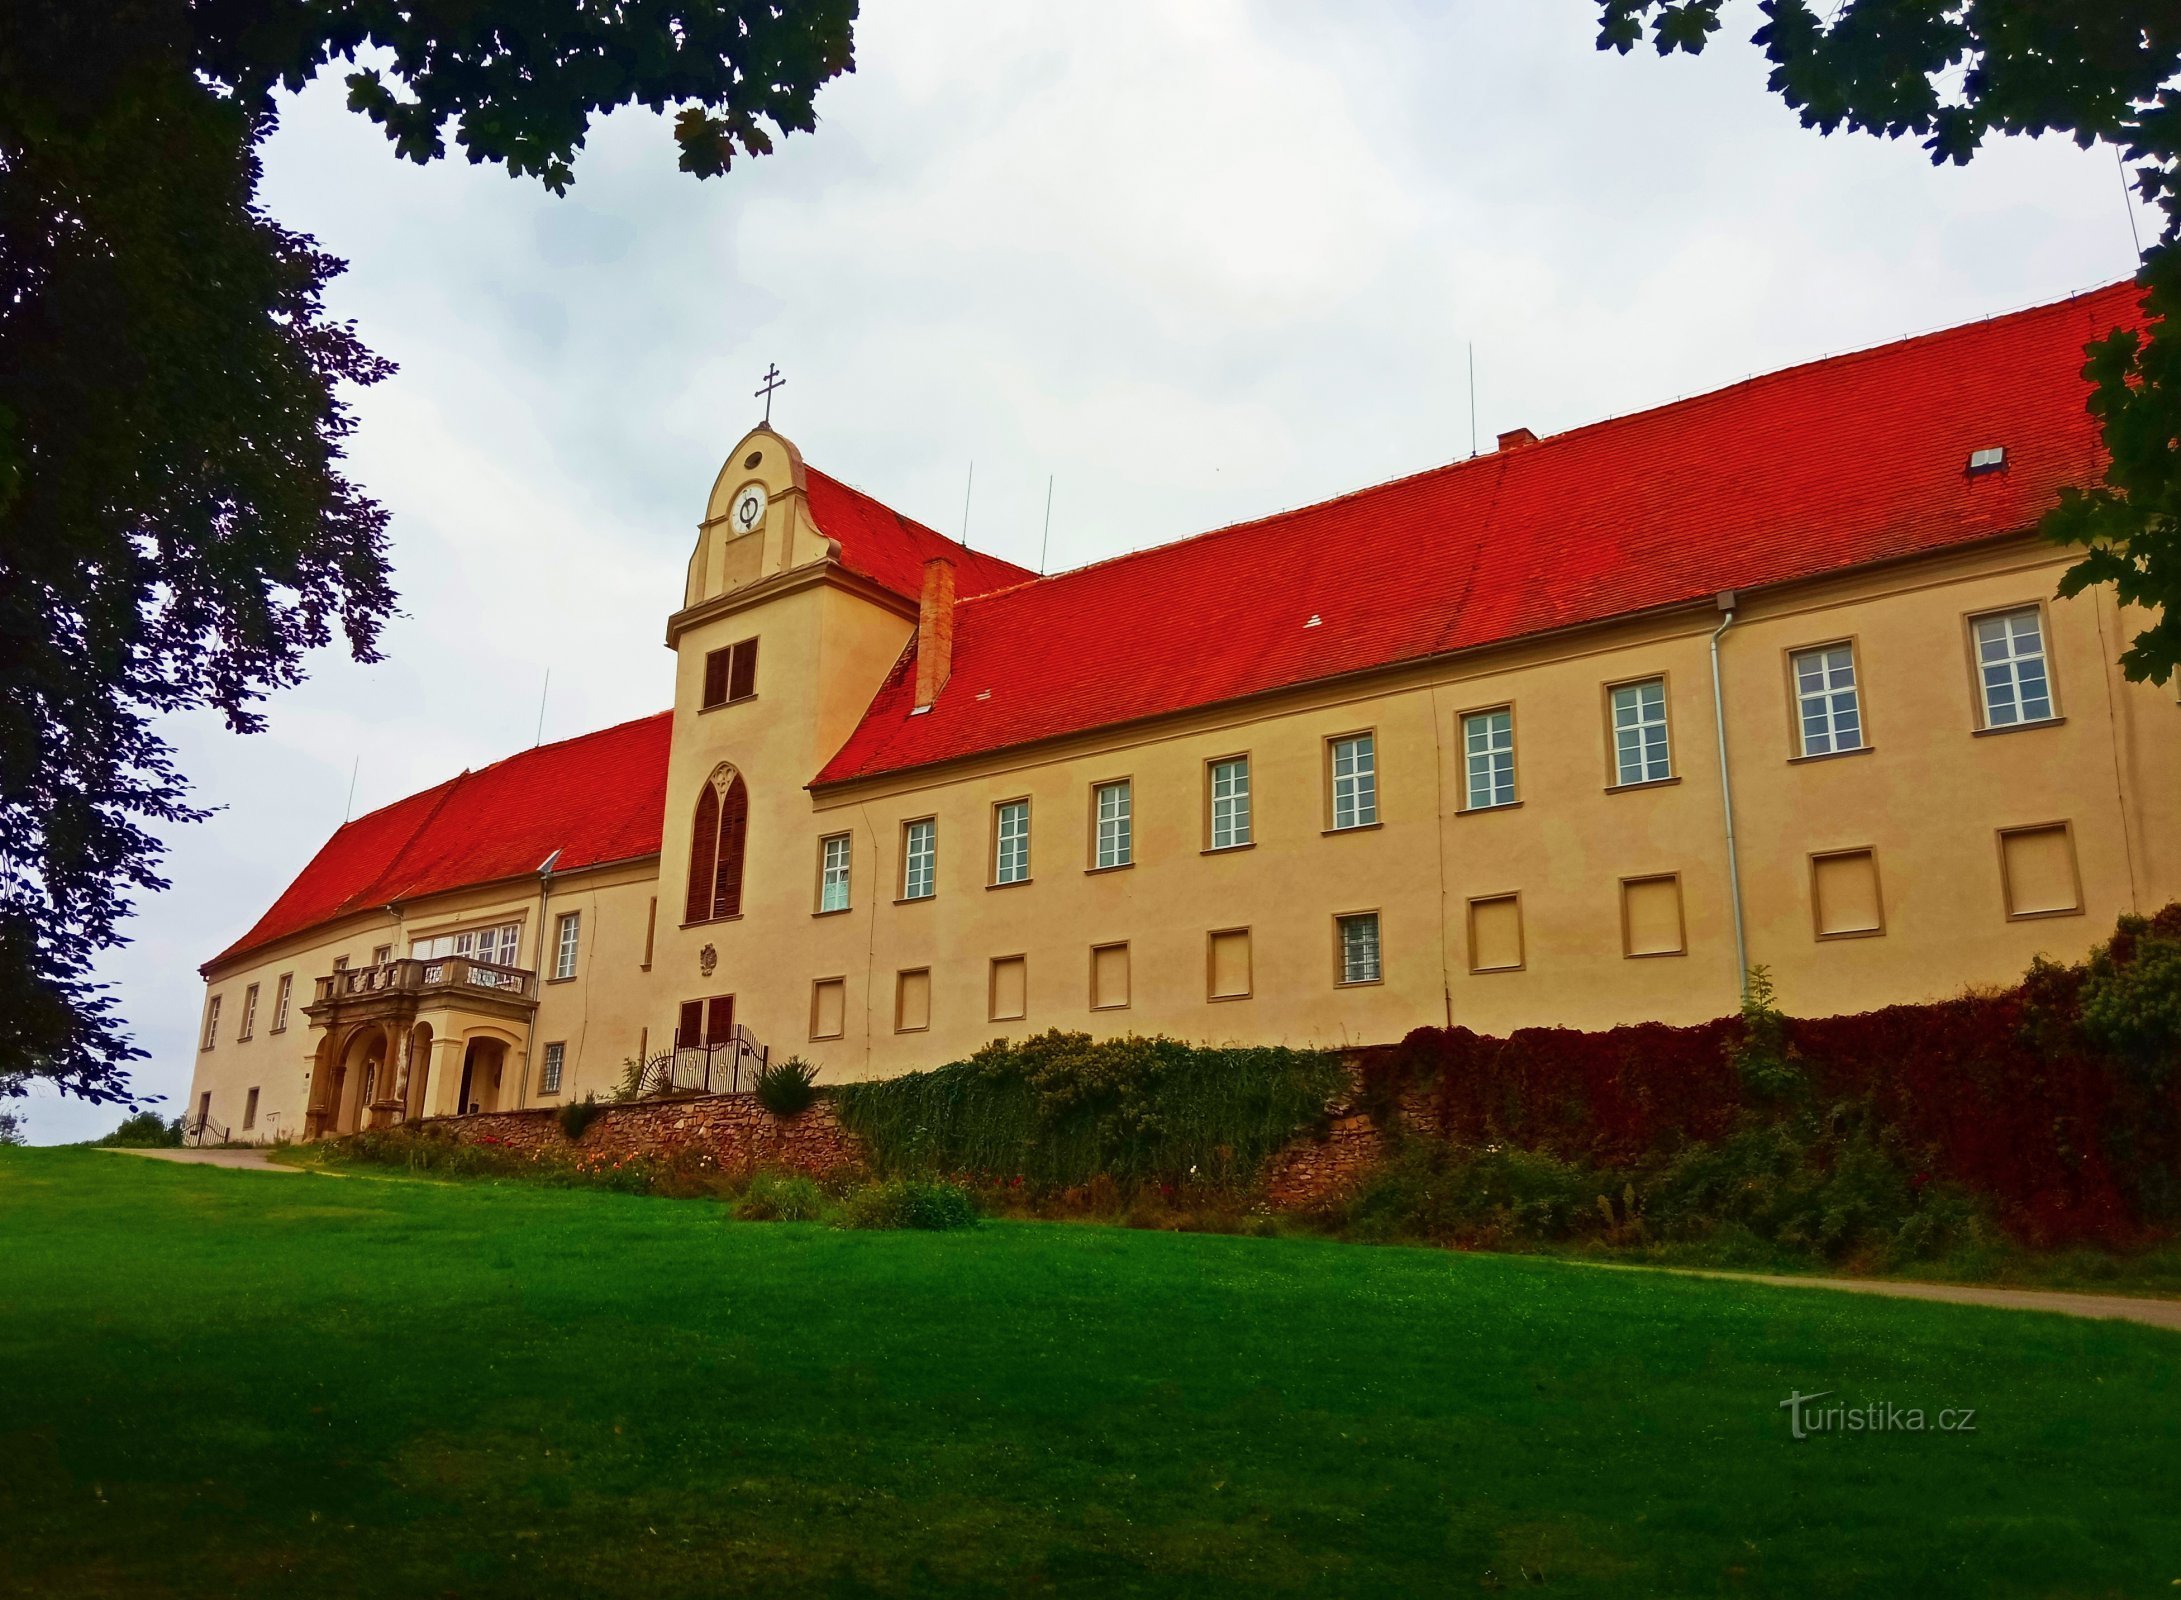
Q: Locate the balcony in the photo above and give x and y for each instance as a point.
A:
(453, 977)
(414, 988)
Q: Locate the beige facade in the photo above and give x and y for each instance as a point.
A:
(1939, 851)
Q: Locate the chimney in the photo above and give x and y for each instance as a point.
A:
(934, 631)
(1517, 439)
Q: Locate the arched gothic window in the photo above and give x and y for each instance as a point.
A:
(717, 847)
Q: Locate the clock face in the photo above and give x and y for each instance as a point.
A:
(749, 508)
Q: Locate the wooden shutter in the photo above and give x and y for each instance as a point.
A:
(742, 671)
(703, 855)
(690, 1029)
(719, 1019)
(734, 827)
(715, 677)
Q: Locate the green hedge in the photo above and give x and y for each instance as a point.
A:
(1062, 1108)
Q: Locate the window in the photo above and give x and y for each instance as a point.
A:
(1113, 842)
(912, 1000)
(1355, 781)
(730, 674)
(1488, 758)
(1109, 977)
(919, 859)
(1651, 916)
(1495, 933)
(833, 873)
(1639, 732)
(1358, 947)
(567, 941)
(381, 954)
(1227, 965)
(1011, 842)
(1844, 901)
(211, 1022)
(1230, 796)
(1828, 713)
(717, 845)
(497, 944)
(2037, 872)
(828, 1008)
(651, 930)
(249, 1111)
(281, 992)
(340, 963)
(2010, 649)
(249, 1014)
(705, 1022)
(556, 1057)
(1009, 990)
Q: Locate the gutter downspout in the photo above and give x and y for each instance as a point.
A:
(1726, 798)
(545, 884)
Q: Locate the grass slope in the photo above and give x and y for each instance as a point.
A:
(237, 1383)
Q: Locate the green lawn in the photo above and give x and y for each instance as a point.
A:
(237, 1383)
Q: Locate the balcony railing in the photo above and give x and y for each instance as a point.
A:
(411, 975)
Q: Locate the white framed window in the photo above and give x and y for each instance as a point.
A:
(211, 1022)
(497, 944)
(833, 862)
(1114, 808)
(1488, 758)
(1230, 782)
(381, 954)
(556, 1057)
(281, 992)
(1355, 781)
(249, 1013)
(1359, 953)
(1011, 841)
(1639, 732)
(2011, 672)
(920, 859)
(567, 943)
(1828, 712)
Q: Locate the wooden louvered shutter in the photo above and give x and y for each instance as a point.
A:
(690, 1029)
(742, 671)
(734, 827)
(715, 677)
(719, 1021)
(703, 856)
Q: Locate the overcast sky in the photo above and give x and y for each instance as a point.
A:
(1194, 262)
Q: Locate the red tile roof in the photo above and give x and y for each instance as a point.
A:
(1837, 464)
(879, 543)
(595, 799)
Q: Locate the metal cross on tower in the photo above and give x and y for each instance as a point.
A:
(773, 381)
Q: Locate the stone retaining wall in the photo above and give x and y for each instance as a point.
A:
(733, 1127)
(741, 1133)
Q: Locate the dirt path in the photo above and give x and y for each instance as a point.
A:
(240, 1160)
(2126, 1308)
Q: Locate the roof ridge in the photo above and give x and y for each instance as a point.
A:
(904, 518)
(573, 738)
(1580, 430)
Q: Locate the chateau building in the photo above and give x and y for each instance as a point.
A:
(1572, 732)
